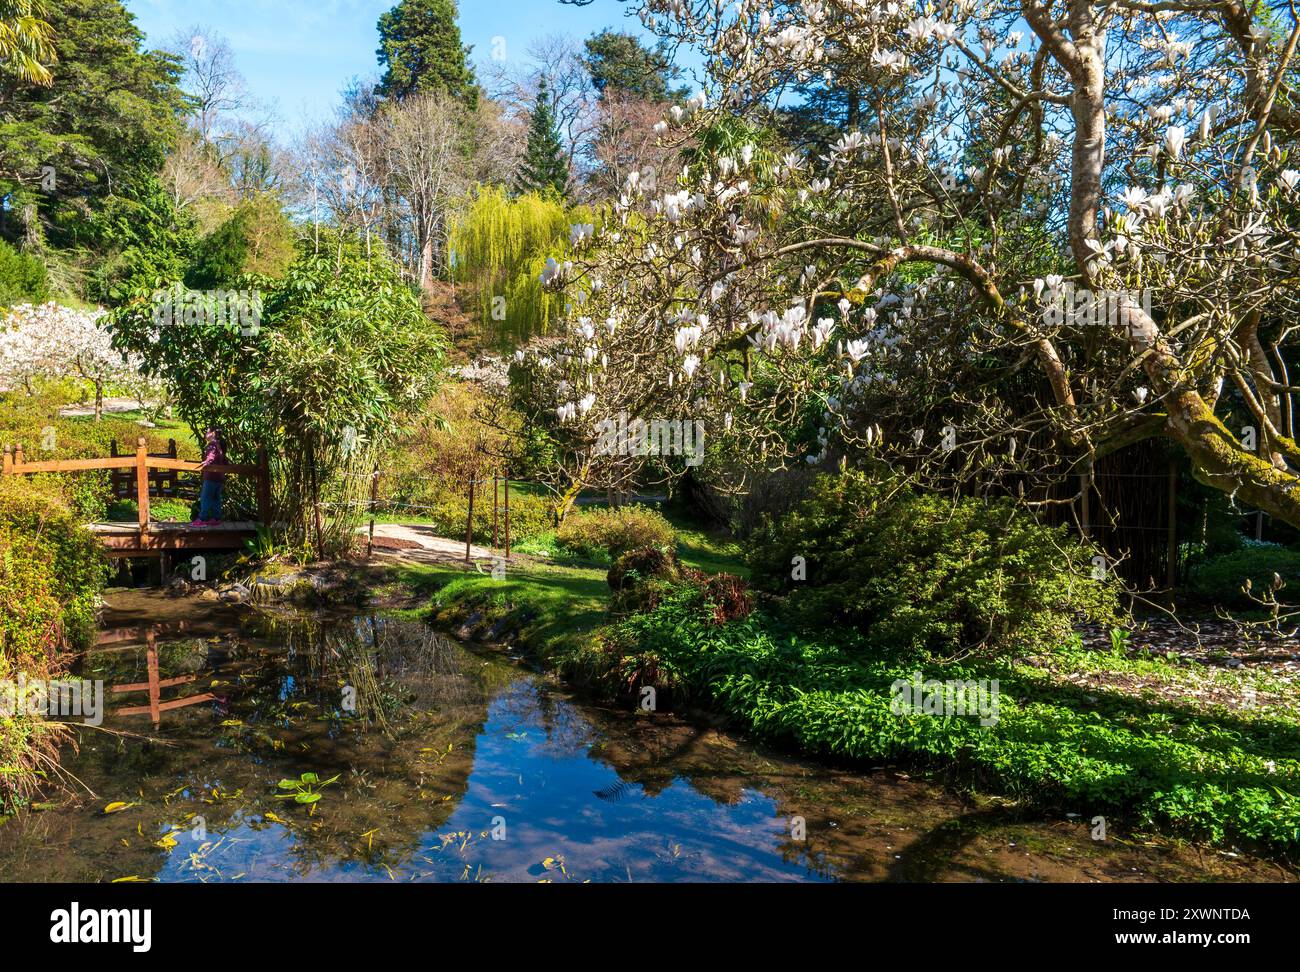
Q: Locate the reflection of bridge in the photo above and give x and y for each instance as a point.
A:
(159, 475)
(117, 639)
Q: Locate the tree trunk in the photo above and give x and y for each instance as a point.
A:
(426, 266)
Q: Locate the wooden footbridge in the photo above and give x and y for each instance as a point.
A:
(146, 474)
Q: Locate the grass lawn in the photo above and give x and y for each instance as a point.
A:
(550, 604)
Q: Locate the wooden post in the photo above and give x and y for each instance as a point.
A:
(142, 483)
(507, 479)
(263, 487)
(469, 520)
(155, 713)
(18, 457)
(315, 502)
(1171, 574)
(374, 501)
(1087, 499)
(9, 460)
(494, 511)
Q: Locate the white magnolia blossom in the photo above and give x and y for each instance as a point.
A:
(53, 341)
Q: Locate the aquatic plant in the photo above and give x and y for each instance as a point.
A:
(305, 790)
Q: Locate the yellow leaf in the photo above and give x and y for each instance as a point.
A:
(117, 807)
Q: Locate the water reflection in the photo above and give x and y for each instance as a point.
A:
(457, 764)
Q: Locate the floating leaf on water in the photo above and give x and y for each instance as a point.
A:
(306, 797)
(118, 806)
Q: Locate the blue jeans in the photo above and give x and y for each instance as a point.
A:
(210, 500)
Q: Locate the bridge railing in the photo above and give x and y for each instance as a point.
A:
(15, 464)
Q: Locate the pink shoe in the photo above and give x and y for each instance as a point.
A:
(197, 523)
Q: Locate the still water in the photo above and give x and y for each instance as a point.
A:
(438, 761)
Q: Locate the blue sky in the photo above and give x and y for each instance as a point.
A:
(298, 54)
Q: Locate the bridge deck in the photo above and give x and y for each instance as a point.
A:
(126, 539)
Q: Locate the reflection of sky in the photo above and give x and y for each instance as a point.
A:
(547, 798)
(545, 789)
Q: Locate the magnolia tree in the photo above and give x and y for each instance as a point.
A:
(55, 342)
(1058, 228)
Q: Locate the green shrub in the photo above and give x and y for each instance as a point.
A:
(643, 564)
(923, 573)
(23, 278)
(51, 573)
(600, 533)
(1219, 580)
(641, 577)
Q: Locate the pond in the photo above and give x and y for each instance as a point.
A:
(440, 761)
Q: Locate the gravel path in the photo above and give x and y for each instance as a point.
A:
(417, 543)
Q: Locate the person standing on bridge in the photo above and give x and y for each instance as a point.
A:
(214, 454)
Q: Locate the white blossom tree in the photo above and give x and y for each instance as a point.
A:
(1060, 227)
(51, 341)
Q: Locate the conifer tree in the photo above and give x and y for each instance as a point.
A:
(543, 168)
(421, 50)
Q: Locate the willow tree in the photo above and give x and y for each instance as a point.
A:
(499, 245)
